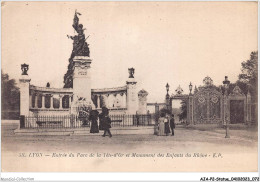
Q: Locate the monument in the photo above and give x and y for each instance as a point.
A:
(79, 68)
(77, 98)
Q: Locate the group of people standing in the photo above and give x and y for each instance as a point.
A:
(165, 122)
(104, 121)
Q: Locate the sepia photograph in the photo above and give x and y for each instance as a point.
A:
(129, 86)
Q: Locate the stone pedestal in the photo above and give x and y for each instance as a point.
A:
(82, 79)
(132, 96)
(81, 83)
(24, 83)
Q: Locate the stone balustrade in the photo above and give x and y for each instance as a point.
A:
(45, 98)
(112, 98)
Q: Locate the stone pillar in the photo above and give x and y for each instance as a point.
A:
(248, 111)
(30, 99)
(51, 101)
(98, 101)
(60, 97)
(142, 96)
(43, 101)
(36, 100)
(132, 96)
(82, 79)
(70, 96)
(107, 101)
(24, 84)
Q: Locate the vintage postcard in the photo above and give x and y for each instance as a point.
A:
(129, 87)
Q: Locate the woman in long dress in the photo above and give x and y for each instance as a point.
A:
(93, 117)
(161, 125)
(166, 125)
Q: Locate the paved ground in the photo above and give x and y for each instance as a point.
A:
(243, 142)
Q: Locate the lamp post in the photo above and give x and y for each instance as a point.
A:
(190, 87)
(167, 88)
(226, 83)
(167, 96)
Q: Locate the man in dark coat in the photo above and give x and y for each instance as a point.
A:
(172, 124)
(106, 121)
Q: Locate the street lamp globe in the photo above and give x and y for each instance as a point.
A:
(167, 87)
(226, 82)
(190, 87)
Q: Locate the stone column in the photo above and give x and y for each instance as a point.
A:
(43, 101)
(60, 97)
(123, 100)
(36, 100)
(70, 96)
(98, 101)
(51, 101)
(24, 84)
(107, 100)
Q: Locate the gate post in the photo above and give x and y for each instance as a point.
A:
(22, 122)
(190, 110)
(248, 111)
(24, 85)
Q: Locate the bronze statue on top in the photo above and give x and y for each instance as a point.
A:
(80, 46)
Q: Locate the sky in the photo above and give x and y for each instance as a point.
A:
(166, 42)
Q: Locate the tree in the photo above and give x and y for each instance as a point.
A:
(183, 114)
(250, 73)
(249, 76)
(10, 96)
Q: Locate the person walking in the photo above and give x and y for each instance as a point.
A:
(106, 122)
(161, 124)
(172, 124)
(166, 125)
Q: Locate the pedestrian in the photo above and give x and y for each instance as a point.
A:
(172, 124)
(105, 121)
(166, 125)
(137, 119)
(93, 117)
(161, 124)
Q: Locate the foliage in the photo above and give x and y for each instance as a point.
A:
(249, 76)
(250, 73)
(183, 114)
(163, 110)
(249, 69)
(10, 94)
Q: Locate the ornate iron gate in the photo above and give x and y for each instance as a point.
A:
(207, 105)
